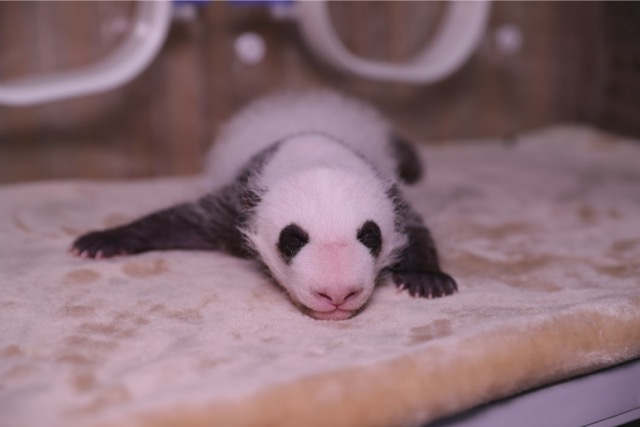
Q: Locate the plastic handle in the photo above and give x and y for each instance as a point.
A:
(129, 59)
(460, 32)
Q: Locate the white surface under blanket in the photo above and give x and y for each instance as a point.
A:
(543, 236)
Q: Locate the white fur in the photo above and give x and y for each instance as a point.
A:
(316, 181)
(273, 118)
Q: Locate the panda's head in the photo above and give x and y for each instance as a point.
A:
(325, 235)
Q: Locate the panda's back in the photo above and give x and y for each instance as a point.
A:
(271, 119)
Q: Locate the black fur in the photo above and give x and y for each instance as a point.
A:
(292, 239)
(214, 222)
(418, 268)
(211, 223)
(371, 236)
(409, 167)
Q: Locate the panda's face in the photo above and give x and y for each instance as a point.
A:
(325, 237)
(331, 278)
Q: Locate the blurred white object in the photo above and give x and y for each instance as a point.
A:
(460, 32)
(129, 59)
(508, 39)
(250, 48)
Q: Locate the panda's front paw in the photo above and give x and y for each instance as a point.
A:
(106, 244)
(425, 285)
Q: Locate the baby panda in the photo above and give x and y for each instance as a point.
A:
(306, 185)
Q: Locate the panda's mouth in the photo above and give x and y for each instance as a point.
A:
(326, 311)
(337, 314)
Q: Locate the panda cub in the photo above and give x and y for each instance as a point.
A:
(305, 184)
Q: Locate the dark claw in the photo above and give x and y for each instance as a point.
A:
(426, 285)
(106, 244)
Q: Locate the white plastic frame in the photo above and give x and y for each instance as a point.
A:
(129, 59)
(459, 34)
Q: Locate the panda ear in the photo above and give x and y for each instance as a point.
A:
(292, 239)
(371, 236)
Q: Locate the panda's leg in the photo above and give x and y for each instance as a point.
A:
(418, 270)
(208, 224)
(408, 165)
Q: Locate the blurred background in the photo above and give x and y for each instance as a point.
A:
(538, 64)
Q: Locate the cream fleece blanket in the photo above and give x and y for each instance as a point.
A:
(543, 237)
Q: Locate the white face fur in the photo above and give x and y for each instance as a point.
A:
(325, 230)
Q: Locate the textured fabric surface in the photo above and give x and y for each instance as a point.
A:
(543, 236)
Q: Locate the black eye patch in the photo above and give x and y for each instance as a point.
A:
(371, 236)
(292, 239)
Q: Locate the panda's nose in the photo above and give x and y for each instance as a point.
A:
(338, 296)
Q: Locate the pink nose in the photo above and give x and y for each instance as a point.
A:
(338, 296)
